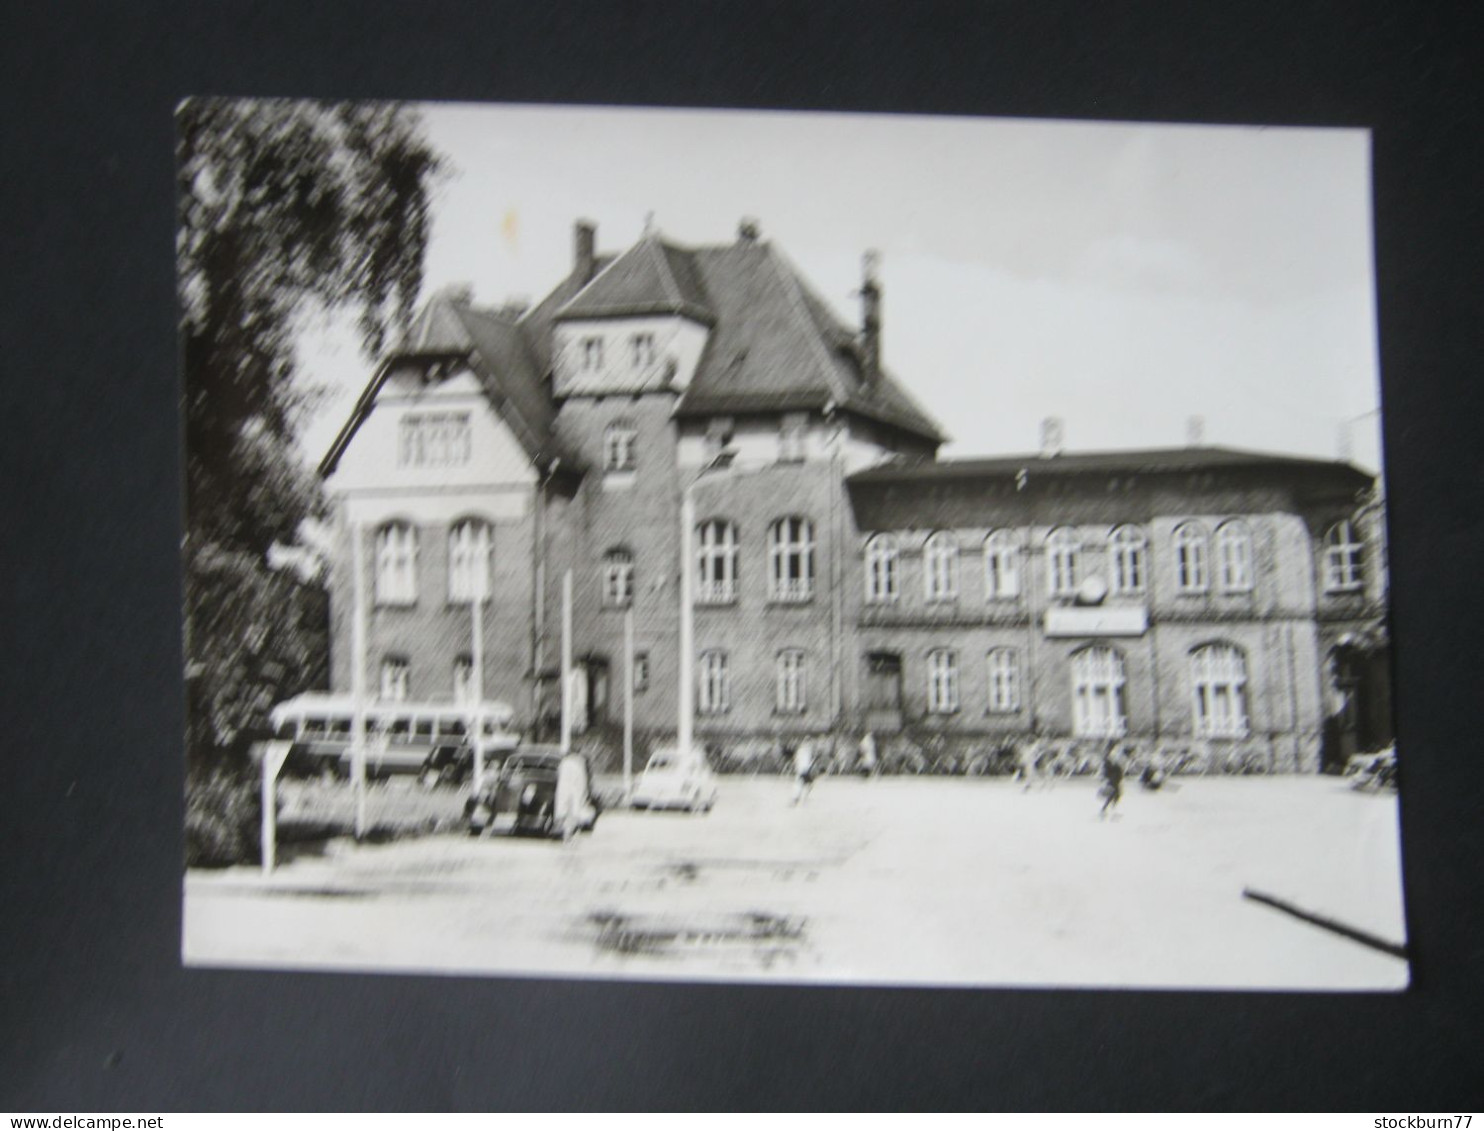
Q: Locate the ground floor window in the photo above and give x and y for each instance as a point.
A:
(715, 684)
(463, 680)
(395, 675)
(1004, 680)
(789, 682)
(1218, 680)
(942, 681)
(1098, 709)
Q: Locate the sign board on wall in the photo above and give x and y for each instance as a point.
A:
(1118, 620)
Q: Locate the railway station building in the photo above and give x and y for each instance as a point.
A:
(843, 576)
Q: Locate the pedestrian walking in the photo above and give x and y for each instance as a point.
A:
(867, 763)
(1027, 756)
(1111, 791)
(804, 770)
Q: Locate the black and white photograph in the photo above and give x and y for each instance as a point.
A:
(784, 547)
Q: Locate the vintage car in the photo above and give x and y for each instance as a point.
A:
(538, 790)
(674, 780)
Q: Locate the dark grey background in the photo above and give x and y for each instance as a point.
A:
(96, 1012)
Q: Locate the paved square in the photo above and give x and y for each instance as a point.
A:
(898, 881)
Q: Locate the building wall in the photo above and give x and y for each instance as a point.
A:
(756, 628)
(1274, 624)
(432, 632)
(371, 460)
(637, 511)
(678, 343)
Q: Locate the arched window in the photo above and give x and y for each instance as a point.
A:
(789, 690)
(715, 684)
(1001, 566)
(716, 562)
(1097, 693)
(619, 442)
(1127, 548)
(396, 564)
(1218, 682)
(618, 577)
(791, 559)
(469, 561)
(1234, 556)
(1190, 559)
(1004, 679)
(1063, 549)
(395, 675)
(942, 681)
(1342, 552)
(882, 571)
(940, 567)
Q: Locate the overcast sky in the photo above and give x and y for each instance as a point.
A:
(1121, 277)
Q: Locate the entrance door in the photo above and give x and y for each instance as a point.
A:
(883, 691)
(597, 691)
(1360, 705)
(883, 681)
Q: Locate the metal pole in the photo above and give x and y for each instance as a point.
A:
(628, 701)
(566, 661)
(358, 675)
(270, 814)
(273, 755)
(687, 624)
(476, 613)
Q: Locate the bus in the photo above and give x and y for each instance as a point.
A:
(435, 741)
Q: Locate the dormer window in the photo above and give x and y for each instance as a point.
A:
(642, 346)
(592, 354)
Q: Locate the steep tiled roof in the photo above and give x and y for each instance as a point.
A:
(650, 278)
(1128, 461)
(506, 366)
(501, 356)
(776, 344)
(1076, 487)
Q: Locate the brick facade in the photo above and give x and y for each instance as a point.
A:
(849, 464)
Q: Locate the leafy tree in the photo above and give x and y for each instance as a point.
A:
(287, 210)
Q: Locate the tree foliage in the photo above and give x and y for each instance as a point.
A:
(287, 210)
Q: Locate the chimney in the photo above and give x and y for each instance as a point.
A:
(1195, 431)
(748, 230)
(584, 249)
(1051, 437)
(870, 318)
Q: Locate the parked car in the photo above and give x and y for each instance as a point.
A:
(538, 789)
(676, 780)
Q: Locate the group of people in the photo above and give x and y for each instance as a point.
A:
(1036, 763)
